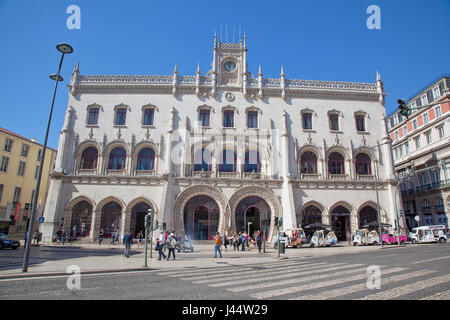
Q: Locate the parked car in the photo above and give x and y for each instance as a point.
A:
(364, 237)
(320, 240)
(427, 234)
(6, 242)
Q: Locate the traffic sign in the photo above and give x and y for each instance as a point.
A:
(41, 219)
(417, 218)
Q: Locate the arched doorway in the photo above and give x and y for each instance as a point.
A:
(80, 225)
(138, 218)
(310, 214)
(367, 215)
(201, 218)
(253, 213)
(340, 222)
(111, 218)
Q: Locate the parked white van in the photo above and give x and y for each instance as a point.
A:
(428, 234)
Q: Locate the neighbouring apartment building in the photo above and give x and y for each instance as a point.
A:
(421, 147)
(19, 166)
(224, 151)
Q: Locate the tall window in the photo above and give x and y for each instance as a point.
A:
(204, 118)
(93, 116)
(228, 118)
(146, 159)
(424, 99)
(336, 163)
(425, 118)
(441, 132)
(36, 173)
(17, 193)
(334, 121)
(117, 159)
(417, 142)
(436, 93)
(8, 145)
(252, 119)
(21, 170)
(415, 126)
(4, 165)
(121, 115)
(308, 163)
(228, 161)
(360, 123)
(307, 121)
(203, 160)
(89, 158)
(24, 151)
(437, 111)
(1, 192)
(39, 155)
(407, 147)
(148, 116)
(362, 164)
(252, 161)
(405, 130)
(428, 137)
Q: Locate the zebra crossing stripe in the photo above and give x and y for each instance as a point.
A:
(438, 296)
(428, 260)
(362, 286)
(211, 271)
(316, 285)
(407, 289)
(277, 276)
(242, 277)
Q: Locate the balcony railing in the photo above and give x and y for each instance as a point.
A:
(338, 177)
(87, 172)
(115, 172)
(362, 177)
(145, 173)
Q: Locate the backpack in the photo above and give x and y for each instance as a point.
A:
(172, 242)
(218, 240)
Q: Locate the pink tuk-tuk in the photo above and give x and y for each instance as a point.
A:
(393, 239)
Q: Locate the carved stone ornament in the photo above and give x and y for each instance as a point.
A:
(229, 96)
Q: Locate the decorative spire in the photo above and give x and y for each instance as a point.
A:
(245, 41)
(282, 71)
(378, 76)
(259, 72)
(198, 69)
(77, 67)
(176, 68)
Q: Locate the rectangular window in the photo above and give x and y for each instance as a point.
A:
(8, 145)
(407, 148)
(428, 137)
(21, 170)
(400, 151)
(415, 124)
(228, 118)
(36, 173)
(32, 198)
(252, 119)
(204, 118)
(405, 130)
(93, 116)
(425, 118)
(437, 111)
(424, 99)
(334, 122)
(4, 166)
(417, 142)
(39, 155)
(400, 118)
(396, 135)
(148, 116)
(17, 192)
(121, 115)
(24, 151)
(1, 192)
(413, 106)
(441, 132)
(436, 93)
(360, 123)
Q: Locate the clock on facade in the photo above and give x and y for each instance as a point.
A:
(229, 66)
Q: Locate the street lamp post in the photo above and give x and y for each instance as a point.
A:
(64, 49)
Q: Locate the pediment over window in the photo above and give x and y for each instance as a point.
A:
(205, 107)
(122, 105)
(149, 106)
(94, 105)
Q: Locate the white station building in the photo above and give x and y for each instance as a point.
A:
(222, 151)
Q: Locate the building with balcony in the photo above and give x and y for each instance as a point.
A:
(221, 151)
(19, 167)
(421, 148)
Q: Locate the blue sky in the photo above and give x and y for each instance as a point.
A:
(315, 40)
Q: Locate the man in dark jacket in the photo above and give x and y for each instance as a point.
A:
(127, 241)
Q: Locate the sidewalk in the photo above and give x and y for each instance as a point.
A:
(55, 260)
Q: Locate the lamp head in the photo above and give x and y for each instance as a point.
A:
(53, 77)
(64, 48)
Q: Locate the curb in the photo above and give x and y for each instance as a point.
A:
(50, 274)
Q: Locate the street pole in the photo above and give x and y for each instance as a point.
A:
(279, 235)
(64, 48)
(264, 239)
(378, 205)
(146, 237)
(151, 232)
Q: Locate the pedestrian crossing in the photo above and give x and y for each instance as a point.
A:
(310, 279)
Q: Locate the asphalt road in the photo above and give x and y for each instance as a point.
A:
(412, 273)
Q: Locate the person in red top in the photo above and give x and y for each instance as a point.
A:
(217, 244)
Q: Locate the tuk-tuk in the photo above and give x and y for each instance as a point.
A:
(296, 237)
(320, 240)
(427, 234)
(393, 238)
(364, 237)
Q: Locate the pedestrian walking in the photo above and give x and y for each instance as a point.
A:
(242, 238)
(259, 240)
(127, 241)
(36, 238)
(100, 237)
(140, 237)
(171, 246)
(25, 237)
(59, 234)
(226, 242)
(217, 244)
(160, 247)
(113, 237)
(63, 237)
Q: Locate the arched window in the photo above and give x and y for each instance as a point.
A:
(146, 159)
(202, 160)
(89, 158)
(228, 161)
(362, 164)
(336, 163)
(308, 162)
(252, 161)
(117, 159)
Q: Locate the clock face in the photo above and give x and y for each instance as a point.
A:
(229, 66)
